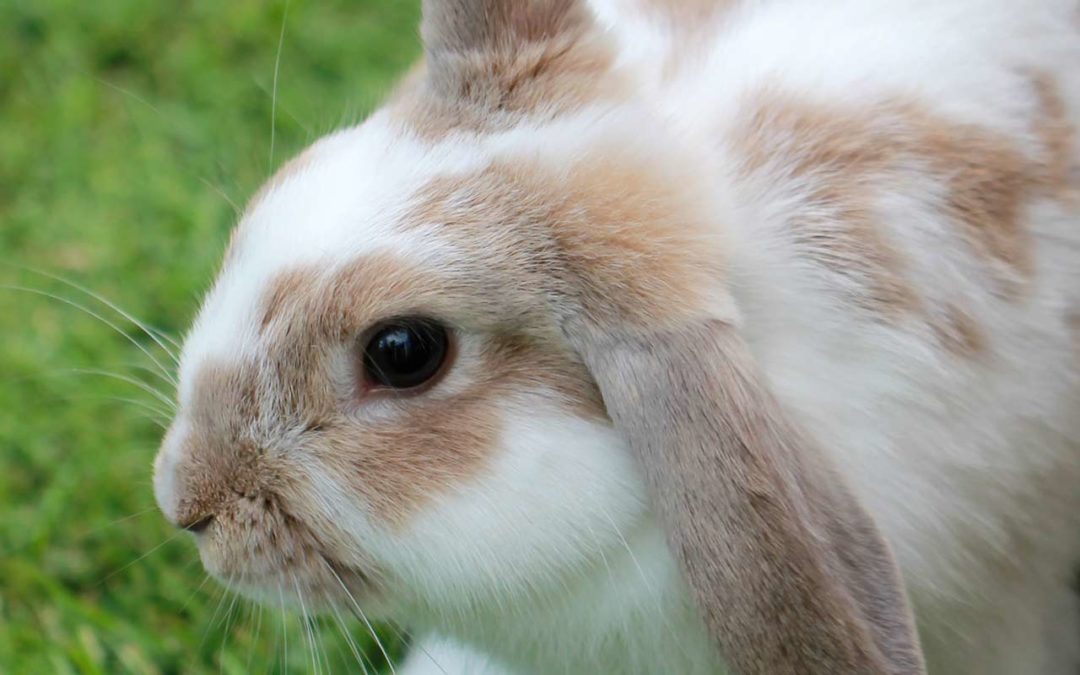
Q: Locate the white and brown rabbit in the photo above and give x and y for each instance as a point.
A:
(668, 337)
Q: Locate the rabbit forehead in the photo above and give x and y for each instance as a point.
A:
(350, 196)
(338, 201)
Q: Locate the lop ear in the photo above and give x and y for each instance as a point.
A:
(788, 569)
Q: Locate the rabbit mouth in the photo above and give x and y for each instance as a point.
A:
(268, 555)
(316, 584)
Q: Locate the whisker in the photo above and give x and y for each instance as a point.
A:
(161, 415)
(228, 626)
(273, 96)
(258, 609)
(206, 578)
(150, 331)
(221, 193)
(357, 655)
(142, 101)
(307, 625)
(362, 616)
(213, 617)
(649, 587)
(284, 626)
(405, 636)
(130, 94)
(304, 126)
(163, 374)
(144, 556)
(134, 381)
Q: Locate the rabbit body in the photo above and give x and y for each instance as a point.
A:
(893, 186)
(947, 396)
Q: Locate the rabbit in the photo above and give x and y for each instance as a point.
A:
(646, 336)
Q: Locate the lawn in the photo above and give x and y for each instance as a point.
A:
(129, 132)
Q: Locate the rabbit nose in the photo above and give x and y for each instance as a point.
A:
(197, 525)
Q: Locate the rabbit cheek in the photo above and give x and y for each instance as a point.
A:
(399, 466)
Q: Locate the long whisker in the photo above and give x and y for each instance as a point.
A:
(362, 617)
(307, 625)
(134, 381)
(144, 556)
(221, 193)
(273, 95)
(164, 372)
(284, 626)
(404, 637)
(206, 578)
(142, 101)
(228, 626)
(150, 331)
(649, 587)
(357, 654)
(258, 609)
(159, 414)
(214, 617)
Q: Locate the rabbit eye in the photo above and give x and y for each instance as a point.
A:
(405, 353)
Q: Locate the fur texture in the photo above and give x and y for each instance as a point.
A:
(830, 249)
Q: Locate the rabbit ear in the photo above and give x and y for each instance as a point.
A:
(510, 55)
(463, 26)
(790, 572)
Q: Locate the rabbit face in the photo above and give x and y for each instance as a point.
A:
(308, 470)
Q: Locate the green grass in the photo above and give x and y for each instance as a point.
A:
(126, 129)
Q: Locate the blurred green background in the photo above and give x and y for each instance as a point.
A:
(129, 133)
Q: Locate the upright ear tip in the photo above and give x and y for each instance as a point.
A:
(473, 25)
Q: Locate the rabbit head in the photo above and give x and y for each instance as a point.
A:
(455, 350)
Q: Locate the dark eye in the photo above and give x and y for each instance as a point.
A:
(405, 353)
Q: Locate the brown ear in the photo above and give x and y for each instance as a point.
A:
(789, 570)
(512, 57)
(458, 26)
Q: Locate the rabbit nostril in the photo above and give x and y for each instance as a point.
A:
(198, 525)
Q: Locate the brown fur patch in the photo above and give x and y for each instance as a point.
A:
(847, 158)
(838, 158)
(788, 569)
(610, 233)
(431, 442)
(1058, 137)
(958, 332)
(252, 491)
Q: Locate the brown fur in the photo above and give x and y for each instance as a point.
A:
(437, 441)
(958, 332)
(252, 494)
(849, 156)
(840, 159)
(539, 64)
(1057, 136)
(615, 244)
(610, 219)
(790, 572)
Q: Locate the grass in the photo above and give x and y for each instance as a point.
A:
(129, 130)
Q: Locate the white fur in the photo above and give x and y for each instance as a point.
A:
(956, 462)
(548, 562)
